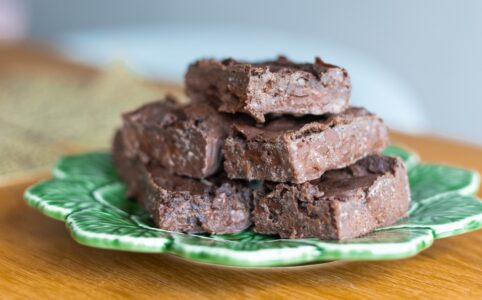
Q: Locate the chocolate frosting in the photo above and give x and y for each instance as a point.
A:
(282, 63)
(160, 113)
(292, 127)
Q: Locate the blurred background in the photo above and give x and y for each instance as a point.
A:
(416, 63)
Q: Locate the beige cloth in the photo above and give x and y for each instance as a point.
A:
(42, 117)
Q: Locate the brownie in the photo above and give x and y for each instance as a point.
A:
(176, 203)
(279, 87)
(342, 204)
(185, 140)
(296, 150)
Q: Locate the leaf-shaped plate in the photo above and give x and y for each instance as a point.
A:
(87, 193)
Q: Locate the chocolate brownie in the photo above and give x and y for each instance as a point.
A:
(296, 150)
(342, 204)
(213, 205)
(185, 140)
(280, 87)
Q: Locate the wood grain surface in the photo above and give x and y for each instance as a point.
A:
(39, 260)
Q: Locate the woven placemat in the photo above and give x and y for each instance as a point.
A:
(44, 116)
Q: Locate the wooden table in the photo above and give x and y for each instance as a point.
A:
(38, 259)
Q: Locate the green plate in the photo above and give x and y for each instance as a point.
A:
(88, 195)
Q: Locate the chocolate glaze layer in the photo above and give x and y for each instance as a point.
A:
(297, 150)
(280, 87)
(213, 205)
(185, 140)
(342, 204)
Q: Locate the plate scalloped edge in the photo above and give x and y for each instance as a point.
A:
(88, 195)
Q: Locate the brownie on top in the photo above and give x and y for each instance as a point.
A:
(272, 87)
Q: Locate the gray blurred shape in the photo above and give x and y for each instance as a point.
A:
(435, 46)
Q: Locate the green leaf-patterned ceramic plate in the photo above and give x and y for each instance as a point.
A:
(87, 194)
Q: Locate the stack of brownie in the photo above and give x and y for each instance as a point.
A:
(273, 145)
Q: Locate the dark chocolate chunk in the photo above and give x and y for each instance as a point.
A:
(279, 87)
(296, 150)
(342, 204)
(213, 205)
(185, 140)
